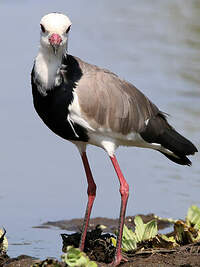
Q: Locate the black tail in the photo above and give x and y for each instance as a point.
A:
(159, 131)
(182, 160)
(177, 144)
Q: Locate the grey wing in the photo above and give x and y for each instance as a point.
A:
(109, 102)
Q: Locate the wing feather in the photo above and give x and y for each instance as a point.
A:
(107, 101)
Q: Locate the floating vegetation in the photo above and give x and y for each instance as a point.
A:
(75, 258)
(3, 242)
(140, 240)
(193, 217)
(143, 232)
(188, 231)
(146, 235)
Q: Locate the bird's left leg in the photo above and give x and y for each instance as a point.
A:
(124, 191)
(91, 196)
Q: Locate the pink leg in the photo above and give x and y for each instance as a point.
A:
(124, 191)
(91, 196)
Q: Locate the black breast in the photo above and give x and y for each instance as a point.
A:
(53, 107)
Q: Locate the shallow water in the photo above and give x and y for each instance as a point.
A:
(153, 44)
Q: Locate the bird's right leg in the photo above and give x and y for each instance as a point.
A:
(91, 196)
(124, 191)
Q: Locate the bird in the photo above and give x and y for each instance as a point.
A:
(89, 105)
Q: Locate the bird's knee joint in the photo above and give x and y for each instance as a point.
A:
(124, 190)
(92, 190)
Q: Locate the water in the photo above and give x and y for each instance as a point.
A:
(153, 44)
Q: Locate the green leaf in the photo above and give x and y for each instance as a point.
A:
(139, 228)
(92, 264)
(3, 241)
(75, 258)
(114, 241)
(150, 231)
(168, 239)
(185, 234)
(193, 217)
(128, 233)
(145, 231)
(128, 239)
(142, 232)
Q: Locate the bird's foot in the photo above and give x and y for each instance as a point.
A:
(118, 259)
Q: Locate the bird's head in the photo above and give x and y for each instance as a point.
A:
(54, 32)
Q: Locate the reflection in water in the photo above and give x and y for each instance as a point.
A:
(155, 45)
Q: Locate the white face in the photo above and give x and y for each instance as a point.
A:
(54, 32)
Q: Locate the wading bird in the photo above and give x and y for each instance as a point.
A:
(85, 104)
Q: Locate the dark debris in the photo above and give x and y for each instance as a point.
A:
(98, 246)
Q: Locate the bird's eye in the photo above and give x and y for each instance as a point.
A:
(42, 28)
(68, 29)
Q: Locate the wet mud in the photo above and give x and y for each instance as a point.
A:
(111, 225)
(99, 247)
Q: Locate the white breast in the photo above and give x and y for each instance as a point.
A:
(46, 67)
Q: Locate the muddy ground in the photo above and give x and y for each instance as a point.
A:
(100, 249)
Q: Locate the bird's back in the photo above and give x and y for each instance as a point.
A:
(110, 102)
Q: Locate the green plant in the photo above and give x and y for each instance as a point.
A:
(193, 217)
(189, 231)
(75, 258)
(3, 241)
(185, 232)
(143, 232)
(128, 239)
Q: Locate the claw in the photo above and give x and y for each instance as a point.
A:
(118, 260)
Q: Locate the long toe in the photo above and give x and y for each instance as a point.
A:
(118, 259)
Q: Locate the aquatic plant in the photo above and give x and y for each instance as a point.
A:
(193, 217)
(143, 232)
(188, 231)
(75, 258)
(146, 235)
(3, 241)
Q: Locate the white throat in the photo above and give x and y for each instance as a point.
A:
(46, 66)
